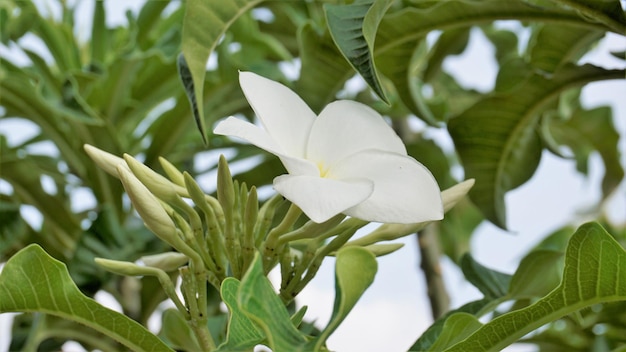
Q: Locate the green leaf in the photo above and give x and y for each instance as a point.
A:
(456, 328)
(609, 12)
(430, 336)
(551, 46)
(355, 269)
(457, 227)
(537, 274)
(595, 272)
(32, 281)
(353, 28)
(242, 333)
(588, 131)
(263, 306)
(176, 330)
(323, 71)
(497, 139)
(204, 24)
(491, 283)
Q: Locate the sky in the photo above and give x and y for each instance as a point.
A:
(394, 311)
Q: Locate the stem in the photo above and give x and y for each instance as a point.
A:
(429, 251)
(270, 254)
(193, 292)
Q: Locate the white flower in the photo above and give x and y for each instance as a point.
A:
(346, 160)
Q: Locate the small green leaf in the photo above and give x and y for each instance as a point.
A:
(544, 264)
(32, 281)
(588, 131)
(491, 283)
(595, 272)
(430, 336)
(204, 24)
(456, 328)
(353, 28)
(243, 333)
(263, 306)
(355, 269)
(176, 330)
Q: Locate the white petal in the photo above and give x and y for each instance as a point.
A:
(320, 198)
(284, 115)
(404, 190)
(235, 127)
(346, 127)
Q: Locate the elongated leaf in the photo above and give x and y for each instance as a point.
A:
(497, 139)
(261, 304)
(204, 24)
(595, 272)
(609, 12)
(491, 283)
(243, 333)
(323, 71)
(551, 45)
(353, 28)
(32, 281)
(355, 269)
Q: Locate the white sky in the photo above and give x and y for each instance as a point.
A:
(394, 311)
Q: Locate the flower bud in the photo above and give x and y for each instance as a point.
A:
(157, 184)
(148, 207)
(106, 161)
(381, 249)
(454, 194)
(172, 172)
(225, 186)
(168, 261)
(125, 268)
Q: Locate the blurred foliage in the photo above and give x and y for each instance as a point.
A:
(120, 90)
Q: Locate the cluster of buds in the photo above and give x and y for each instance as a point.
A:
(219, 236)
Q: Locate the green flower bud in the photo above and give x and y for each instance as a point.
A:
(168, 261)
(381, 249)
(148, 207)
(225, 186)
(125, 268)
(157, 184)
(172, 172)
(454, 194)
(106, 161)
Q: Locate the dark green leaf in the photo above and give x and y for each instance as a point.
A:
(493, 284)
(353, 28)
(204, 24)
(497, 138)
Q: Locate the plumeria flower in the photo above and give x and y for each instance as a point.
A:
(346, 160)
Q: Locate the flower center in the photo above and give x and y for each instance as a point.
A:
(323, 169)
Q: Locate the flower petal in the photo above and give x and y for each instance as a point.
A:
(253, 134)
(321, 198)
(284, 115)
(404, 190)
(346, 127)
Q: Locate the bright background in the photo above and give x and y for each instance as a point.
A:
(395, 310)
